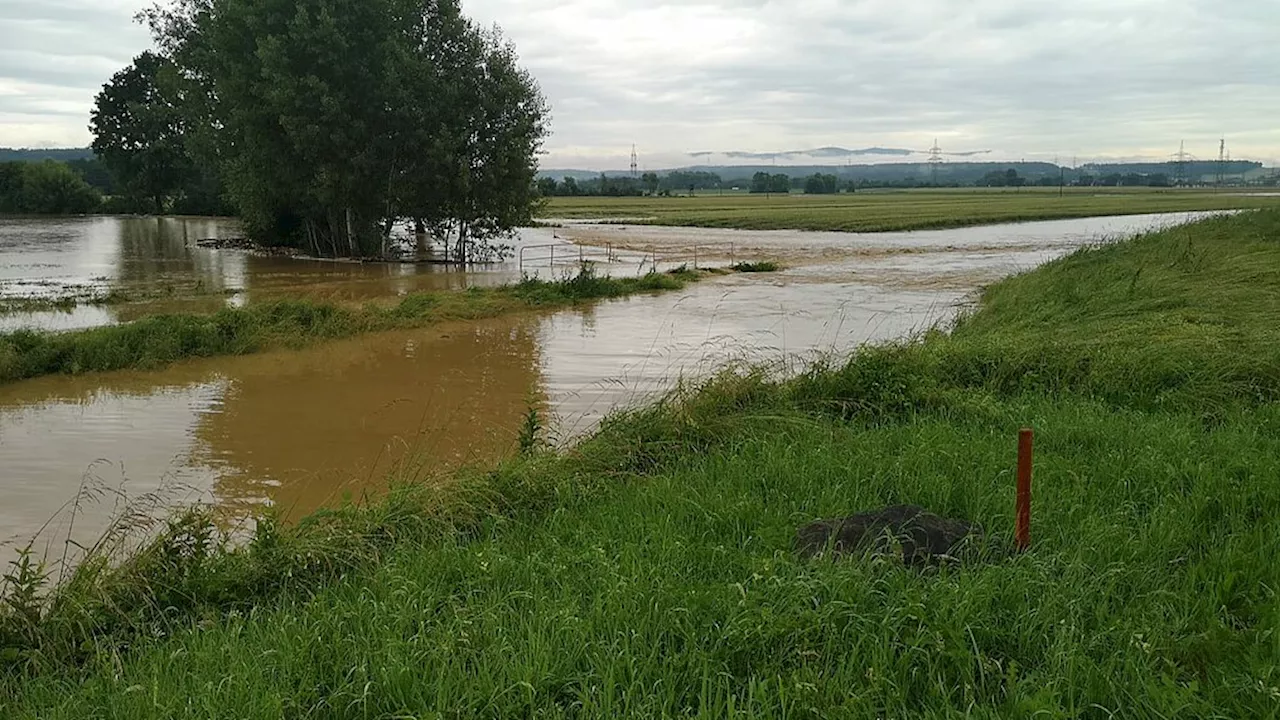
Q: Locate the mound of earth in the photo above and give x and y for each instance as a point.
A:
(921, 537)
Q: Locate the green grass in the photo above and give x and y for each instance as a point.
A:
(157, 341)
(892, 211)
(647, 572)
(756, 267)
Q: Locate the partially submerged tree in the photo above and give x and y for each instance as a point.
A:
(332, 120)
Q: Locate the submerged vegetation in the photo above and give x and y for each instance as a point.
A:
(648, 572)
(756, 267)
(892, 211)
(156, 341)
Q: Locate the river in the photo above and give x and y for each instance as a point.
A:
(302, 429)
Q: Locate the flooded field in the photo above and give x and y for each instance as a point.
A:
(299, 430)
(159, 261)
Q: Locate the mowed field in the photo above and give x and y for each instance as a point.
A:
(878, 211)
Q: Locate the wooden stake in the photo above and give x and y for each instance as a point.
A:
(1022, 533)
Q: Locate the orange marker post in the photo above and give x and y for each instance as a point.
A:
(1022, 534)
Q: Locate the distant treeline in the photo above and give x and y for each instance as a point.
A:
(35, 155)
(682, 182)
(76, 182)
(915, 175)
(676, 181)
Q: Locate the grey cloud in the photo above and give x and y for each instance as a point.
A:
(1122, 77)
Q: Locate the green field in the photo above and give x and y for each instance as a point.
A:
(876, 211)
(648, 571)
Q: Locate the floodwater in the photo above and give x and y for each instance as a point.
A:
(158, 260)
(300, 430)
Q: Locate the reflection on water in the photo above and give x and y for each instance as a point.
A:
(299, 429)
(156, 257)
(42, 257)
(295, 429)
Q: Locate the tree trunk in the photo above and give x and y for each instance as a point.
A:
(462, 243)
(351, 242)
(420, 235)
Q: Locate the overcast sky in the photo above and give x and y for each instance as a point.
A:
(1085, 79)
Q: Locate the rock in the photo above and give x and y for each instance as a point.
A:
(922, 537)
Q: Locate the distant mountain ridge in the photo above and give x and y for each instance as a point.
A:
(822, 152)
(38, 154)
(963, 173)
(827, 153)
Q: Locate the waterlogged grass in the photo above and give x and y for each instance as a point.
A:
(119, 296)
(1149, 593)
(756, 267)
(892, 211)
(647, 572)
(156, 341)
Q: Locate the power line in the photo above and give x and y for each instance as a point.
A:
(635, 162)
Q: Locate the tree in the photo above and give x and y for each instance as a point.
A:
(331, 120)
(763, 182)
(685, 179)
(821, 184)
(10, 187)
(138, 130)
(547, 187)
(650, 181)
(45, 188)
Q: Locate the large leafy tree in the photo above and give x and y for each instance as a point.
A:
(139, 129)
(330, 120)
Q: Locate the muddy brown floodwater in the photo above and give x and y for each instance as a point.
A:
(299, 430)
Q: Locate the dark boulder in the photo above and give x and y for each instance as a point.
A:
(922, 537)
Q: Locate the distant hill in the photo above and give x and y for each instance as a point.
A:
(962, 173)
(36, 155)
(822, 152)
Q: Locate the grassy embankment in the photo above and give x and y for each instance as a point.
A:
(900, 210)
(156, 341)
(647, 572)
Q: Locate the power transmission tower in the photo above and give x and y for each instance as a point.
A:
(635, 163)
(1222, 161)
(935, 160)
(1180, 165)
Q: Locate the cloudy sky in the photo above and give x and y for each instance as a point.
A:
(1034, 79)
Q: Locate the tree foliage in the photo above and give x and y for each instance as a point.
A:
(45, 188)
(821, 184)
(139, 130)
(331, 120)
(763, 182)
